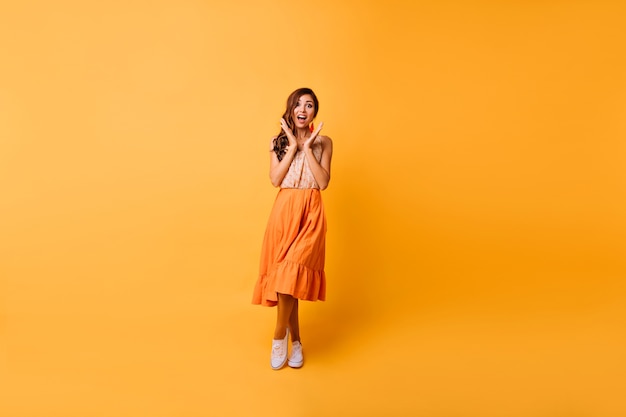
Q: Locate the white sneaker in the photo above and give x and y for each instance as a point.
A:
(279, 352)
(295, 358)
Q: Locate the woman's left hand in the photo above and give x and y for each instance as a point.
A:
(307, 145)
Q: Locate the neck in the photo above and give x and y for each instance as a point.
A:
(302, 133)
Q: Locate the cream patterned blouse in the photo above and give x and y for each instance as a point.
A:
(299, 174)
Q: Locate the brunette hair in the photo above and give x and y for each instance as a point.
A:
(281, 141)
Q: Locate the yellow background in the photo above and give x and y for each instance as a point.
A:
(476, 212)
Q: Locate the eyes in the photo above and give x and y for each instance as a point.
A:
(308, 105)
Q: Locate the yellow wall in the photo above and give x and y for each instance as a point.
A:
(476, 212)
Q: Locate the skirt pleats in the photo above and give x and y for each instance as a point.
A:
(293, 251)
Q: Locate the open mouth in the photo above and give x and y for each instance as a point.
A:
(301, 118)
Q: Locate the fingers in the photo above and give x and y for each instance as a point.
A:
(287, 130)
(313, 136)
(317, 131)
(285, 126)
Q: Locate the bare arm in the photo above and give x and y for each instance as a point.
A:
(321, 169)
(278, 169)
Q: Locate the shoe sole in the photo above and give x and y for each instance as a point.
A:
(295, 364)
(280, 366)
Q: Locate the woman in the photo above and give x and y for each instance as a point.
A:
(292, 256)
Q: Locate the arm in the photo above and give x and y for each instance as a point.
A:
(278, 169)
(321, 169)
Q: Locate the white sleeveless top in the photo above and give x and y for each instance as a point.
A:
(299, 174)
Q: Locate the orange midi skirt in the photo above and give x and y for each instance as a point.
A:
(292, 255)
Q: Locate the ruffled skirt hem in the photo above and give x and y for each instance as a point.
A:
(309, 285)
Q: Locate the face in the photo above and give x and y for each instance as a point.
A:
(304, 111)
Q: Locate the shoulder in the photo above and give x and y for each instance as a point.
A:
(272, 143)
(326, 141)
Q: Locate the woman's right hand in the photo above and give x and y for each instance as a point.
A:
(292, 138)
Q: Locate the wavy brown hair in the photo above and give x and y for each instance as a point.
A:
(281, 142)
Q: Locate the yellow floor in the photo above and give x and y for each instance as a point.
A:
(195, 360)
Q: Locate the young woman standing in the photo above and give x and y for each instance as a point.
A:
(292, 256)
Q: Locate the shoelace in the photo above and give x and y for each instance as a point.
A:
(277, 350)
(296, 348)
